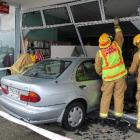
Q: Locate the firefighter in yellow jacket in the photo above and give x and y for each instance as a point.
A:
(110, 65)
(135, 68)
(22, 63)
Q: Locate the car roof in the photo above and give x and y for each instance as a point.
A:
(72, 59)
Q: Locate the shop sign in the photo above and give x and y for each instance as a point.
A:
(4, 8)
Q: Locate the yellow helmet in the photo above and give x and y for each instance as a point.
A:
(104, 40)
(136, 40)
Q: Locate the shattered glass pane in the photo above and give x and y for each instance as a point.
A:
(124, 8)
(56, 16)
(32, 19)
(65, 35)
(86, 12)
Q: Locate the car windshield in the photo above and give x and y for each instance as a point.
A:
(48, 69)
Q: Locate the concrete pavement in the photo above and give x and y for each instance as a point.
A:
(91, 130)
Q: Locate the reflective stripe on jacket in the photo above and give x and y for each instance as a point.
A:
(112, 63)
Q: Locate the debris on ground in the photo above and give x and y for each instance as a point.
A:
(93, 130)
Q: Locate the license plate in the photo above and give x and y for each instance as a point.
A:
(14, 93)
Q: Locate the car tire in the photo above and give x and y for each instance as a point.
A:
(73, 116)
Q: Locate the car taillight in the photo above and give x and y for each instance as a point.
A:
(4, 89)
(31, 97)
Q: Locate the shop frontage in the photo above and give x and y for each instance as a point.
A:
(60, 39)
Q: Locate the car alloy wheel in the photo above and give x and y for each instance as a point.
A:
(73, 116)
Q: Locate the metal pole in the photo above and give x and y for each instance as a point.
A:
(76, 28)
(21, 34)
(43, 18)
(17, 30)
(101, 5)
(106, 21)
(47, 26)
(79, 24)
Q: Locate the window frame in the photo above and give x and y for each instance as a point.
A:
(82, 63)
(67, 14)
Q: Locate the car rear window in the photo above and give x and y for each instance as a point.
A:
(49, 69)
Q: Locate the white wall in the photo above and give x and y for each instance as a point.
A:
(113, 7)
(27, 4)
(91, 51)
(136, 23)
(62, 51)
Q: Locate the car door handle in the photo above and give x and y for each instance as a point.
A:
(82, 86)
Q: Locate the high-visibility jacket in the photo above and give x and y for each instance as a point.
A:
(112, 63)
(33, 57)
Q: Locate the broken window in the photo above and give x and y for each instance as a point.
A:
(86, 12)
(65, 35)
(121, 9)
(56, 16)
(32, 19)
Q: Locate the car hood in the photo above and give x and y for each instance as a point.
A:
(23, 82)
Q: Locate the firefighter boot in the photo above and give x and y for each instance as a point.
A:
(103, 121)
(137, 127)
(117, 121)
(138, 117)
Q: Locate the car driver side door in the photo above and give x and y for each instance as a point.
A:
(89, 83)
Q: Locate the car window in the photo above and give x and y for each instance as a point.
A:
(48, 69)
(86, 71)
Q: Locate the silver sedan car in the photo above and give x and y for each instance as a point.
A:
(60, 90)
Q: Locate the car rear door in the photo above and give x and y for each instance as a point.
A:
(89, 83)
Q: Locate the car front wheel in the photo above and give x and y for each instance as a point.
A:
(73, 116)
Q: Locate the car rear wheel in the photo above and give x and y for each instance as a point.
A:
(73, 116)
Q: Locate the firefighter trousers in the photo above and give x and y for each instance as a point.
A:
(138, 107)
(116, 88)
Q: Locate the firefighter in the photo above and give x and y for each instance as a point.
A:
(32, 55)
(110, 65)
(23, 62)
(135, 69)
